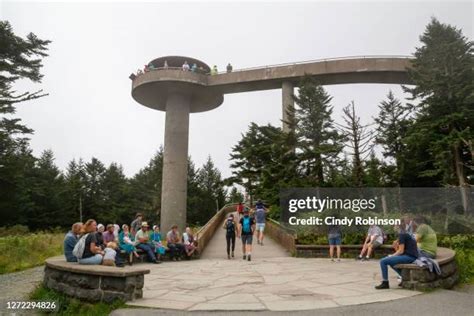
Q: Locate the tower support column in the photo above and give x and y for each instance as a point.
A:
(287, 91)
(175, 162)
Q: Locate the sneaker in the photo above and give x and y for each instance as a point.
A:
(332, 260)
(156, 262)
(179, 258)
(249, 258)
(358, 258)
(382, 286)
(232, 254)
(258, 241)
(365, 259)
(244, 257)
(228, 256)
(261, 243)
(338, 260)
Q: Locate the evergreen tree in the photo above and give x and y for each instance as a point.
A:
(145, 188)
(73, 193)
(392, 124)
(20, 59)
(318, 140)
(443, 74)
(42, 194)
(116, 195)
(235, 196)
(210, 182)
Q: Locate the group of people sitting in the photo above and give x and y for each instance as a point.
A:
(185, 67)
(92, 243)
(416, 241)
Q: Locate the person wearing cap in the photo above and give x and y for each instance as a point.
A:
(108, 235)
(174, 243)
(143, 239)
(245, 232)
(136, 224)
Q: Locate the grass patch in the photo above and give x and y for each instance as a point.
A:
(22, 252)
(73, 306)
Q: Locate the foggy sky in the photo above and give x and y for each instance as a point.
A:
(90, 112)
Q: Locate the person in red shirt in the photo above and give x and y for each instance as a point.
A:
(240, 209)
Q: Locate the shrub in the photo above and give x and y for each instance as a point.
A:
(464, 247)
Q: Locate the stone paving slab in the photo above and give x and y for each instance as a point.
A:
(272, 281)
(231, 285)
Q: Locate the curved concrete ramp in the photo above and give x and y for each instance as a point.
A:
(217, 248)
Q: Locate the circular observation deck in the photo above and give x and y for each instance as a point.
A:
(153, 87)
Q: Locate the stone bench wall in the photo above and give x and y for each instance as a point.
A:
(94, 283)
(417, 278)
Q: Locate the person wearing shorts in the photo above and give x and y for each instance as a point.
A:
(245, 232)
(373, 240)
(335, 238)
(260, 217)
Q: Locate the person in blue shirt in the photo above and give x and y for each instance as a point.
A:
(260, 217)
(70, 240)
(155, 239)
(406, 252)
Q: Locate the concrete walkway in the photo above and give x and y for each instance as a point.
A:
(217, 248)
(437, 303)
(272, 281)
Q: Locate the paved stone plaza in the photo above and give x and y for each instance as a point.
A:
(272, 281)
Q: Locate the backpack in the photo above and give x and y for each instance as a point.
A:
(246, 225)
(79, 248)
(230, 227)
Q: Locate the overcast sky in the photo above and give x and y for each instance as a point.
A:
(90, 112)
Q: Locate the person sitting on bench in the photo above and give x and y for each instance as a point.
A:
(174, 243)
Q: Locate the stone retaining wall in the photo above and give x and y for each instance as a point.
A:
(284, 237)
(94, 283)
(322, 251)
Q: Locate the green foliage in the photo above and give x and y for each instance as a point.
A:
(317, 137)
(21, 252)
(72, 306)
(443, 74)
(464, 247)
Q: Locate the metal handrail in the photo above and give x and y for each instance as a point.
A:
(287, 64)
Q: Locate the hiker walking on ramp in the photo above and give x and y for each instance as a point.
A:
(246, 230)
(230, 226)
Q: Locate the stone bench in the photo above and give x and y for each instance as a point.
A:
(94, 282)
(420, 278)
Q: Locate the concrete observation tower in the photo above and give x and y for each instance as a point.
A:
(179, 93)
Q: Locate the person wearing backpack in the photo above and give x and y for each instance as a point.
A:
(87, 250)
(230, 227)
(246, 230)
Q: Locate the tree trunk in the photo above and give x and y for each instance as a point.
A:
(461, 179)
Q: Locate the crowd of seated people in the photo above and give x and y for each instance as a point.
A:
(93, 244)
